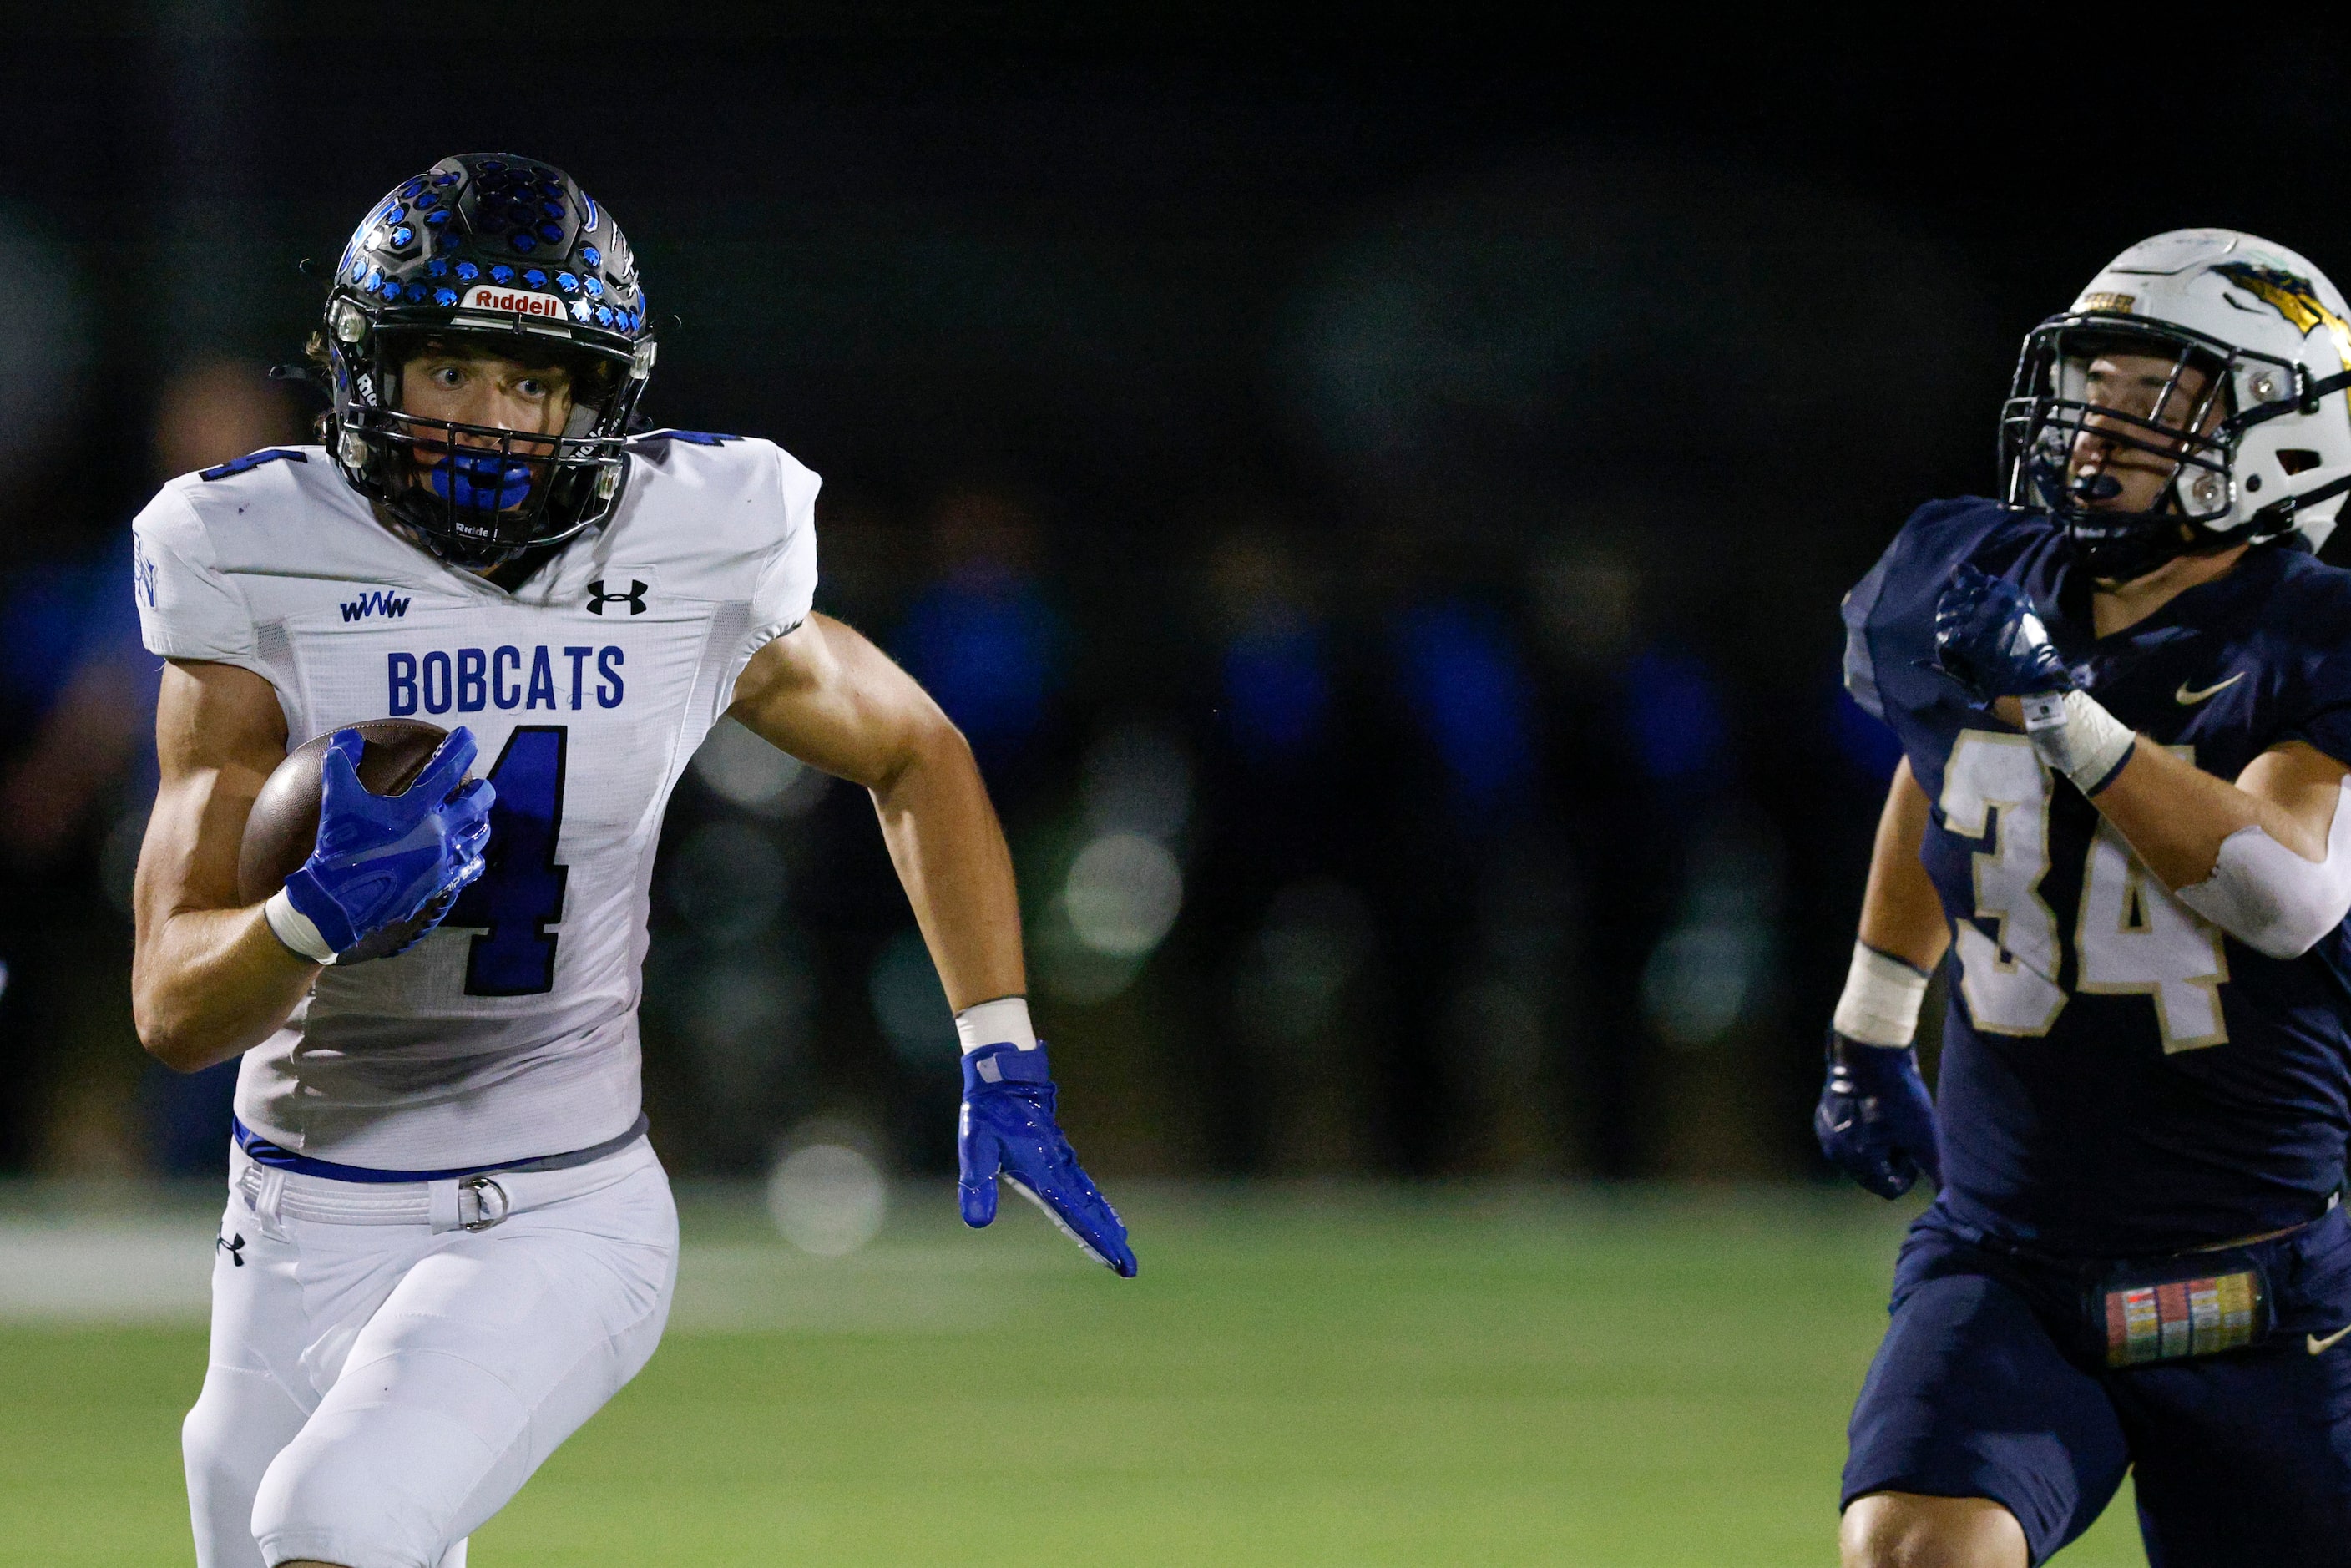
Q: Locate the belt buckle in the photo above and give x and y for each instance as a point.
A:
(484, 1215)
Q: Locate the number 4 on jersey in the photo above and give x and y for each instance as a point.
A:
(520, 891)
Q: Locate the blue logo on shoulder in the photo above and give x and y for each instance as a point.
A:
(694, 437)
(251, 461)
(380, 602)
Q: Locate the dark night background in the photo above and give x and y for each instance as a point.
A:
(1376, 495)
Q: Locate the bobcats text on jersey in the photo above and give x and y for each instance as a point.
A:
(471, 680)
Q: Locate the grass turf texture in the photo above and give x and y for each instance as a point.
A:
(1297, 1378)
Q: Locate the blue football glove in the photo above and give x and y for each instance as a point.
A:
(1875, 1119)
(1007, 1129)
(383, 858)
(1989, 637)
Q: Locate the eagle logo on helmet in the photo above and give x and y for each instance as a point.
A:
(2296, 298)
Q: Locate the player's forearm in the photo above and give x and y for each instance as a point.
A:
(209, 984)
(951, 857)
(1901, 916)
(2177, 816)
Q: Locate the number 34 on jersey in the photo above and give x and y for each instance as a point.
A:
(2130, 936)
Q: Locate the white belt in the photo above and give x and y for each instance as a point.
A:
(457, 1203)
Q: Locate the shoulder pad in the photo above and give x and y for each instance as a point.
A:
(251, 461)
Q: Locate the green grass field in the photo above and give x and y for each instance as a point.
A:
(1298, 1377)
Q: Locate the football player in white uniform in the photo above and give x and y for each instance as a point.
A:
(447, 1241)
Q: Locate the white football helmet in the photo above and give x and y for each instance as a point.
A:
(2254, 413)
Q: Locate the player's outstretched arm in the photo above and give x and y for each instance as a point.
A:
(2266, 857)
(207, 978)
(831, 698)
(1875, 1119)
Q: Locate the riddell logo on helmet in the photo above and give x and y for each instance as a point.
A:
(521, 301)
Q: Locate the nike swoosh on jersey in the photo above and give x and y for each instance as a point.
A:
(2190, 699)
(2318, 1346)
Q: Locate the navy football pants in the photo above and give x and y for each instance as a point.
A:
(1990, 1384)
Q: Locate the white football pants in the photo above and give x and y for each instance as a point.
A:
(377, 1390)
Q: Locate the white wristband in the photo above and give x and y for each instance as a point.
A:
(294, 928)
(1004, 1021)
(1881, 1001)
(2074, 734)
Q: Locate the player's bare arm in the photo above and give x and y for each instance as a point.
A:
(205, 986)
(1900, 915)
(2178, 816)
(826, 696)
(208, 978)
(829, 697)
(1874, 1118)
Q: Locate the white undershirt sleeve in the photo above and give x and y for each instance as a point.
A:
(2270, 898)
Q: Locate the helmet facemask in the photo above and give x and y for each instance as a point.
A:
(480, 495)
(2100, 406)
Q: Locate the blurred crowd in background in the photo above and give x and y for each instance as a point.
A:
(1380, 524)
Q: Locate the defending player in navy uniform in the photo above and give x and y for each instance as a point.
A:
(2123, 695)
(447, 1241)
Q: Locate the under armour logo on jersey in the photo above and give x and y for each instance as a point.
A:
(380, 602)
(234, 1247)
(634, 599)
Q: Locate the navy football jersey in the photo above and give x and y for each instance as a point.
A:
(2118, 1076)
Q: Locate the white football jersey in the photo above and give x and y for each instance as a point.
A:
(511, 1032)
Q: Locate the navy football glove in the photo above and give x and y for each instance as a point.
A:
(383, 858)
(1007, 1129)
(1875, 1119)
(1989, 638)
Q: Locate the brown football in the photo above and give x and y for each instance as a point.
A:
(284, 827)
